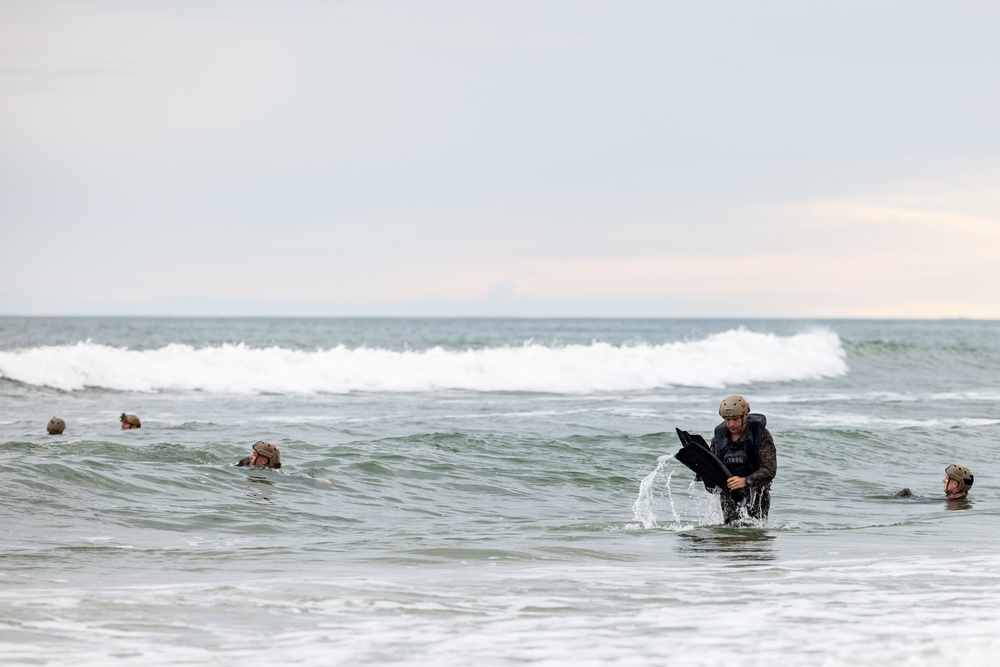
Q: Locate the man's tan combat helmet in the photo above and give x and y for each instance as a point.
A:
(269, 450)
(960, 474)
(733, 406)
(56, 426)
(128, 418)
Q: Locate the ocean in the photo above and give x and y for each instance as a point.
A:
(492, 492)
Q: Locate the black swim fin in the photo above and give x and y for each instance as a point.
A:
(692, 439)
(697, 456)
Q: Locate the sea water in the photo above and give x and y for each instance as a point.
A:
(491, 492)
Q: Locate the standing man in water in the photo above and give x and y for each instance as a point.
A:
(744, 444)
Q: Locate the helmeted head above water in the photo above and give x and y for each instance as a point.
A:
(56, 426)
(270, 451)
(960, 474)
(733, 406)
(129, 418)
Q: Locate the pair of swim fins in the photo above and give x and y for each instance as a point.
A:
(696, 455)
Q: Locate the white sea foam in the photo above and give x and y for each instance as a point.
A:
(848, 420)
(735, 357)
(899, 611)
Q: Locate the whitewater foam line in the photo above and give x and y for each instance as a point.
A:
(735, 357)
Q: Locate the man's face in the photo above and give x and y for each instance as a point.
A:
(950, 485)
(258, 461)
(126, 426)
(736, 425)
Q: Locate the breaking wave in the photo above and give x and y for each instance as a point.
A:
(734, 357)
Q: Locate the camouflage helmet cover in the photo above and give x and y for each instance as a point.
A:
(128, 418)
(960, 474)
(269, 450)
(733, 406)
(56, 426)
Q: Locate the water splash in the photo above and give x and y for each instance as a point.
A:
(642, 508)
(673, 509)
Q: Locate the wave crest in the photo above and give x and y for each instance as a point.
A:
(735, 357)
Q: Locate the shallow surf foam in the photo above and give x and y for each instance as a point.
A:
(734, 357)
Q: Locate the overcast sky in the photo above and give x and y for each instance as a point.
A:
(773, 159)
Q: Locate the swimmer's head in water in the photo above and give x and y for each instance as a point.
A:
(960, 474)
(130, 421)
(56, 426)
(269, 451)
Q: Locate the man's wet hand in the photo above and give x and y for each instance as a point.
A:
(736, 483)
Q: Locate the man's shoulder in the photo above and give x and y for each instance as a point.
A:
(720, 432)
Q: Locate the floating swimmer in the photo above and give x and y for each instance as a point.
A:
(56, 426)
(266, 455)
(263, 455)
(957, 482)
(130, 421)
